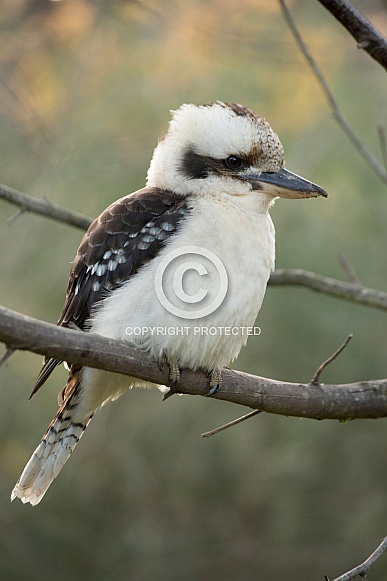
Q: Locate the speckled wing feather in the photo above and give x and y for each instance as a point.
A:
(128, 234)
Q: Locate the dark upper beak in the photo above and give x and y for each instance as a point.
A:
(283, 183)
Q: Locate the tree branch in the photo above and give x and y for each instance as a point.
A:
(366, 154)
(364, 399)
(350, 291)
(348, 270)
(330, 286)
(231, 424)
(362, 570)
(367, 36)
(44, 208)
(316, 377)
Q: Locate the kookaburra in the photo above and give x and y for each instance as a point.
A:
(212, 179)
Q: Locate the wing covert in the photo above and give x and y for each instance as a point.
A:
(128, 234)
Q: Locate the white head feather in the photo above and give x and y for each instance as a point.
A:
(216, 132)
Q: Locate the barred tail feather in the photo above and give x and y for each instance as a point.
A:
(56, 446)
(49, 458)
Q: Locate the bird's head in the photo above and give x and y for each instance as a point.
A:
(224, 148)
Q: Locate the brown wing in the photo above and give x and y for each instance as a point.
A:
(128, 234)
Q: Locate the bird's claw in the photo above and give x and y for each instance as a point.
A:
(215, 381)
(173, 372)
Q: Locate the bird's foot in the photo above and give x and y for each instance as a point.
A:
(215, 381)
(173, 372)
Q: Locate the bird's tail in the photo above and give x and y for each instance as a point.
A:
(62, 435)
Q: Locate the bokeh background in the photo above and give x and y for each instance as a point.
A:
(86, 87)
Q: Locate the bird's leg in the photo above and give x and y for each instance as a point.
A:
(174, 373)
(215, 380)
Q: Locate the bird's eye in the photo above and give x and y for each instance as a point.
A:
(234, 162)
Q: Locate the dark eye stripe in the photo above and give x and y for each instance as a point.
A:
(199, 167)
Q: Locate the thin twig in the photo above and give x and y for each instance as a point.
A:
(316, 377)
(367, 155)
(16, 215)
(383, 144)
(363, 569)
(44, 208)
(348, 269)
(230, 424)
(10, 351)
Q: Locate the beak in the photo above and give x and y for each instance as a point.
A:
(284, 183)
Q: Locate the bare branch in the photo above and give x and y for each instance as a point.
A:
(316, 377)
(366, 154)
(16, 215)
(330, 286)
(44, 207)
(367, 36)
(364, 399)
(383, 144)
(348, 270)
(10, 351)
(231, 424)
(362, 570)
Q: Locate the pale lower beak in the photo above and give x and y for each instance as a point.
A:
(285, 184)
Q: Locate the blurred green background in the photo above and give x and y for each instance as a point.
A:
(86, 88)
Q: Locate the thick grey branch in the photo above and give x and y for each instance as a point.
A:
(330, 286)
(44, 207)
(365, 399)
(367, 36)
